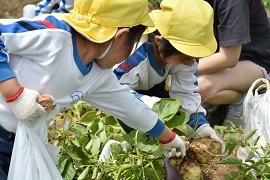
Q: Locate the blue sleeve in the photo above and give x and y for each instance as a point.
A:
(5, 71)
(140, 55)
(138, 96)
(197, 119)
(157, 129)
(46, 7)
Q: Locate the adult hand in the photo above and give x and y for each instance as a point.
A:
(174, 147)
(206, 131)
(25, 106)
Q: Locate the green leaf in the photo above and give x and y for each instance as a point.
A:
(249, 134)
(83, 140)
(267, 168)
(146, 148)
(250, 176)
(243, 168)
(151, 174)
(255, 141)
(89, 116)
(185, 130)
(143, 137)
(231, 139)
(95, 146)
(94, 128)
(61, 162)
(231, 160)
(111, 120)
(166, 108)
(75, 152)
(230, 148)
(84, 174)
(231, 176)
(250, 155)
(177, 120)
(103, 136)
(79, 129)
(130, 137)
(69, 172)
(220, 129)
(158, 152)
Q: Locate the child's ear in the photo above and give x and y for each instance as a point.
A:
(158, 38)
(121, 32)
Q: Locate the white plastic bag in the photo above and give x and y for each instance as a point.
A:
(106, 151)
(32, 159)
(256, 114)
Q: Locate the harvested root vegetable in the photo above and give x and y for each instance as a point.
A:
(176, 162)
(46, 101)
(190, 170)
(200, 151)
(205, 149)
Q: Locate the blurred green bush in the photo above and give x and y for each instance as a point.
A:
(266, 4)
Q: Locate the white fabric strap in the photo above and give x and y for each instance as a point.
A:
(105, 52)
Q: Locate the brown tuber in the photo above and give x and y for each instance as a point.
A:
(46, 101)
(200, 151)
(205, 149)
(190, 170)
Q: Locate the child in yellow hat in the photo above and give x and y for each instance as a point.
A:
(163, 63)
(64, 55)
(165, 59)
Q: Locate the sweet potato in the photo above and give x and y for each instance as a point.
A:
(190, 170)
(205, 149)
(200, 151)
(46, 101)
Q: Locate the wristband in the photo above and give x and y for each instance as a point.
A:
(16, 96)
(169, 140)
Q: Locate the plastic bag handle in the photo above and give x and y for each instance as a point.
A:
(266, 82)
(260, 81)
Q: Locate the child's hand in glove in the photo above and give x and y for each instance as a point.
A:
(206, 131)
(174, 147)
(25, 106)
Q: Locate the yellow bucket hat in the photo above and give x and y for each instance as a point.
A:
(187, 25)
(99, 20)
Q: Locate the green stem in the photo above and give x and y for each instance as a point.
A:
(122, 168)
(136, 142)
(154, 170)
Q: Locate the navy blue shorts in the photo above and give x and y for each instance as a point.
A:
(6, 146)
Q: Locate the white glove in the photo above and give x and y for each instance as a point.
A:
(206, 131)
(174, 147)
(149, 100)
(25, 106)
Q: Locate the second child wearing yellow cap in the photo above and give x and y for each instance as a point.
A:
(184, 31)
(62, 55)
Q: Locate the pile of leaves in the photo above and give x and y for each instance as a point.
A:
(82, 132)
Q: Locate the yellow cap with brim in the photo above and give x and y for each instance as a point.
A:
(99, 20)
(187, 25)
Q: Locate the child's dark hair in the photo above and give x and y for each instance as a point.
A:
(165, 47)
(134, 36)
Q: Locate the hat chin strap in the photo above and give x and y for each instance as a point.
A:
(105, 52)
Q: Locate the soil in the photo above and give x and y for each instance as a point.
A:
(14, 9)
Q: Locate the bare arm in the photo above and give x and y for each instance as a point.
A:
(227, 57)
(9, 88)
(165, 135)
